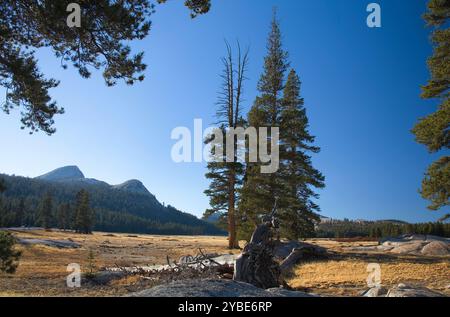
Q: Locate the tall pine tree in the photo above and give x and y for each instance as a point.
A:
(433, 130)
(84, 219)
(280, 105)
(260, 190)
(297, 214)
(64, 213)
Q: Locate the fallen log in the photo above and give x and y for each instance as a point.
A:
(296, 255)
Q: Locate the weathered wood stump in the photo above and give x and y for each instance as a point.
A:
(256, 264)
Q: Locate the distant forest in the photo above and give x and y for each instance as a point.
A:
(115, 210)
(379, 229)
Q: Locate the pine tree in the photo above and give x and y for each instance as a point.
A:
(46, 211)
(8, 255)
(84, 215)
(260, 190)
(20, 212)
(63, 216)
(226, 176)
(433, 130)
(297, 214)
(91, 264)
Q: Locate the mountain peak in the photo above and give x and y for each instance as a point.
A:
(134, 186)
(73, 174)
(63, 174)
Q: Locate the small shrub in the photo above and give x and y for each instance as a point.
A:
(91, 265)
(9, 257)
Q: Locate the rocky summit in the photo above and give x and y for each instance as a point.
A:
(72, 174)
(63, 174)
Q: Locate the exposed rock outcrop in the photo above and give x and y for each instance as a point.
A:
(412, 244)
(214, 288)
(63, 174)
(435, 248)
(409, 247)
(62, 244)
(401, 290)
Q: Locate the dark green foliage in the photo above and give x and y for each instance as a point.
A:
(84, 216)
(196, 6)
(2, 185)
(8, 256)
(297, 209)
(91, 265)
(379, 229)
(436, 184)
(260, 190)
(100, 43)
(433, 130)
(64, 216)
(115, 210)
(20, 211)
(46, 211)
(280, 105)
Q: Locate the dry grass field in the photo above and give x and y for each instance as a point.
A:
(42, 269)
(345, 273)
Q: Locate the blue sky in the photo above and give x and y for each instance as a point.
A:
(361, 87)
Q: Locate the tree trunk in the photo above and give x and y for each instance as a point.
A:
(292, 259)
(256, 264)
(232, 237)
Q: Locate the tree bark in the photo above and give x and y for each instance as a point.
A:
(232, 236)
(256, 264)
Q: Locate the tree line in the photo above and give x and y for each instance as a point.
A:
(76, 215)
(379, 229)
(113, 210)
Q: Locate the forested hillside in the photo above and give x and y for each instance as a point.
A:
(116, 210)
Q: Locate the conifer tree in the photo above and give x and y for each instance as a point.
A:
(8, 255)
(63, 216)
(20, 212)
(433, 130)
(46, 211)
(226, 176)
(84, 220)
(297, 215)
(260, 190)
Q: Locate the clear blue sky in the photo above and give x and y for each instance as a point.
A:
(361, 88)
